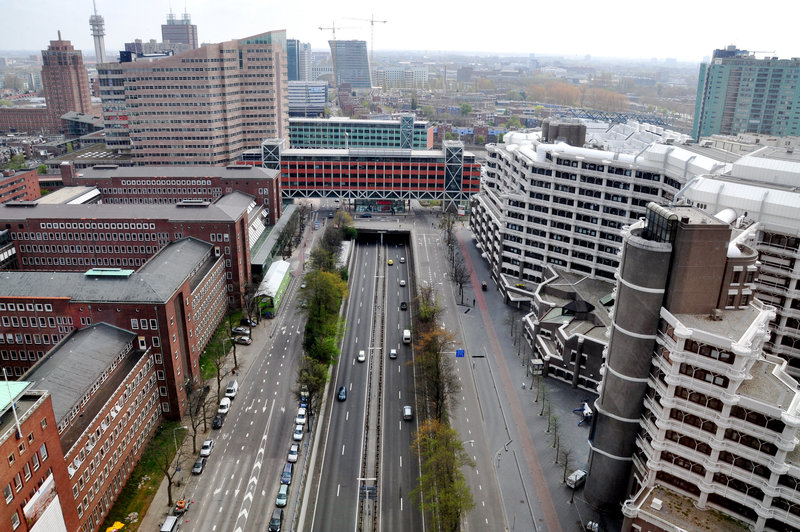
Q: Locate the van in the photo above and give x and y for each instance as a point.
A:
(170, 524)
(576, 479)
(406, 336)
(233, 387)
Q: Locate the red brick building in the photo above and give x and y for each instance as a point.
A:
(63, 237)
(33, 475)
(20, 185)
(106, 404)
(173, 304)
(171, 184)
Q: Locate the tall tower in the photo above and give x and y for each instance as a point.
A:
(351, 63)
(98, 33)
(65, 82)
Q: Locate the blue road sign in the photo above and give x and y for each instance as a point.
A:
(459, 353)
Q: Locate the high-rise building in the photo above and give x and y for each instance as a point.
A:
(298, 60)
(98, 33)
(182, 31)
(172, 111)
(739, 93)
(65, 80)
(351, 63)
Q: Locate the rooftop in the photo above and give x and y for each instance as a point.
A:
(200, 171)
(71, 368)
(677, 512)
(95, 152)
(25, 402)
(67, 194)
(155, 282)
(353, 121)
(564, 289)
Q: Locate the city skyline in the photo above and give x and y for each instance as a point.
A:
(599, 32)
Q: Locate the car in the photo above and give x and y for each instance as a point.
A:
(283, 496)
(330, 215)
(301, 417)
(219, 419)
(198, 466)
(206, 448)
(362, 356)
(304, 393)
(403, 305)
(576, 479)
(286, 476)
(392, 353)
(240, 330)
(402, 260)
(336, 200)
(297, 435)
(294, 451)
(302, 286)
(247, 322)
(402, 282)
(275, 521)
(243, 340)
(366, 215)
(408, 413)
(391, 262)
(224, 405)
(342, 393)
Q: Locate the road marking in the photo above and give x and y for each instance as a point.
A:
(342, 449)
(337, 489)
(401, 460)
(347, 416)
(398, 394)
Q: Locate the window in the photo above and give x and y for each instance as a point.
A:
(11, 458)
(35, 460)
(17, 483)
(14, 520)
(27, 470)
(43, 452)
(44, 423)
(7, 493)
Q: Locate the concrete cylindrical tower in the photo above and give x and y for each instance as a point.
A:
(642, 278)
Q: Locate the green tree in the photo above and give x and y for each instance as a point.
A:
(5, 103)
(428, 111)
(441, 488)
(312, 377)
(17, 162)
(480, 139)
(514, 123)
(41, 169)
(466, 109)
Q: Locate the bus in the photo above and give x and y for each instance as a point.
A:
(270, 291)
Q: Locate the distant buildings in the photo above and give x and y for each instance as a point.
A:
(341, 132)
(299, 60)
(19, 185)
(208, 123)
(351, 63)
(180, 31)
(308, 98)
(406, 77)
(738, 93)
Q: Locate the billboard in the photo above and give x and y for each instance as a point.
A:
(43, 511)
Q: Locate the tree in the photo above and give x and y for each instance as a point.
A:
(466, 109)
(169, 462)
(441, 488)
(459, 274)
(219, 367)
(513, 123)
(437, 371)
(428, 111)
(480, 139)
(312, 376)
(200, 402)
(41, 169)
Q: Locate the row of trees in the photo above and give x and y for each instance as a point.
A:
(325, 289)
(441, 486)
(291, 233)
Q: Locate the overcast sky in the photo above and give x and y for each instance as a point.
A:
(682, 29)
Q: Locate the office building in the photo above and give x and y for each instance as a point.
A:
(208, 123)
(404, 77)
(34, 476)
(739, 93)
(172, 305)
(180, 31)
(308, 98)
(19, 185)
(343, 132)
(152, 47)
(351, 63)
(298, 60)
(106, 404)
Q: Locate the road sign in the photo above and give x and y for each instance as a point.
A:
(459, 353)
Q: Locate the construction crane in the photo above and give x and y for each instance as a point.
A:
(372, 23)
(333, 28)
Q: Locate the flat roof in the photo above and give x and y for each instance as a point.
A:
(155, 282)
(198, 171)
(9, 390)
(680, 511)
(228, 210)
(65, 195)
(354, 121)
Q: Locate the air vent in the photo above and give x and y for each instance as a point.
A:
(656, 504)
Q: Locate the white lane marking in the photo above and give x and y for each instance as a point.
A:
(342, 449)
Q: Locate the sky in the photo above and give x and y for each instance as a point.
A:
(680, 29)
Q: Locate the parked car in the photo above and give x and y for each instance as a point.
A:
(283, 496)
(342, 393)
(219, 419)
(231, 389)
(286, 476)
(243, 340)
(294, 452)
(300, 419)
(198, 466)
(403, 305)
(392, 353)
(224, 406)
(366, 215)
(205, 450)
(408, 413)
(247, 322)
(275, 521)
(241, 330)
(362, 356)
(297, 435)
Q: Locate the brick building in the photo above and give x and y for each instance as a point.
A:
(106, 405)
(22, 185)
(34, 475)
(171, 184)
(173, 303)
(59, 237)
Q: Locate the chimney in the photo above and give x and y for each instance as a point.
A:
(67, 173)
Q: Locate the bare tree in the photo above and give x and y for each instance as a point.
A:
(169, 462)
(200, 402)
(219, 366)
(555, 421)
(566, 454)
(459, 274)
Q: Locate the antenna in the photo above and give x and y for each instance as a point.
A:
(11, 400)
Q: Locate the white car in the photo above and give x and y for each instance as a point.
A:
(301, 417)
(205, 450)
(294, 451)
(298, 433)
(392, 353)
(362, 356)
(224, 406)
(402, 282)
(402, 260)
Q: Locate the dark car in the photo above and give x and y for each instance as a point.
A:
(342, 393)
(403, 305)
(218, 420)
(286, 476)
(246, 322)
(198, 466)
(366, 215)
(275, 521)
